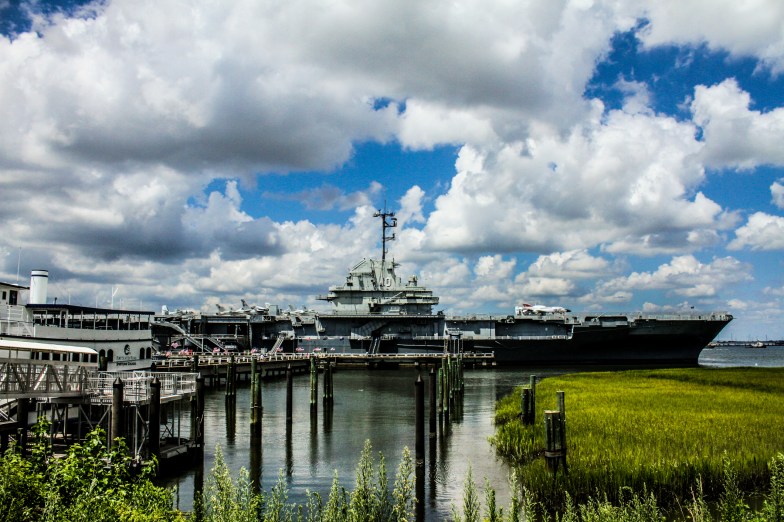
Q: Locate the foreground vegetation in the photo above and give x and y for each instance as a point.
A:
(650, 433)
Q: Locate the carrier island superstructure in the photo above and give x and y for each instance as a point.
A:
(376, 311)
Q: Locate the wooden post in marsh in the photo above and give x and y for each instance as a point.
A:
(528, 402)
(555, 436)
(532, 385)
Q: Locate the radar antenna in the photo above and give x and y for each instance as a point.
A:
(392, 223)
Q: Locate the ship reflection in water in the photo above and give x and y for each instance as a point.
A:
(369, 405)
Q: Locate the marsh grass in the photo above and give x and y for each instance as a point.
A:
(658, 431)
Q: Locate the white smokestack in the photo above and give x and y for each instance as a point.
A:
(39, 280)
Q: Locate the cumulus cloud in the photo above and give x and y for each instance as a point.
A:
(743, 29)
(777, 191)
(736, 136)
(761, 232)
(683, 276)
(625, 181)
(329, 197)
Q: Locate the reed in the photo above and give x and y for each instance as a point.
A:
(654, 431)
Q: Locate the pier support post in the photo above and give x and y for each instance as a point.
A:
(313, 386)
(433, 407)
(419, 395)
(200, 412)
(195, 363)
(255, 413)
(117, 411)
(327, 399)
(154, 422)
(22, 409)
(289, 394)
(231, 377)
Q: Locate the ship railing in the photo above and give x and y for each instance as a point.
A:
(501, 337)
(669, 316)
(184, 361)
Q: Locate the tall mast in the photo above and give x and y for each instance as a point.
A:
(392, 223)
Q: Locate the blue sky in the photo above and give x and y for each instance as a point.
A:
(588, 154)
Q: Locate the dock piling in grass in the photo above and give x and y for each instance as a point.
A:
(555, 450)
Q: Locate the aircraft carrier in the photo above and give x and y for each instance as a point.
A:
(375, 311)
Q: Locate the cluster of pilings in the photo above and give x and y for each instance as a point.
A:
(446, 388)
(450, 386)
(554, 425)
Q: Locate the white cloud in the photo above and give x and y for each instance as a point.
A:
(761, 232)
(734, 135)
(575, 264)
(777, 192)
(751, 28)
(683, 276)
(625, 181)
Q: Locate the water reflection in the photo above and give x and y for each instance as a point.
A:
(373, 405)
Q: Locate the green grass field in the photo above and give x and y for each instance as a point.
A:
(653, 430)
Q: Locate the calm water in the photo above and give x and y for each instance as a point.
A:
(379, 406)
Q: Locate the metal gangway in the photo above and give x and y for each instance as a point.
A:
(35, 370)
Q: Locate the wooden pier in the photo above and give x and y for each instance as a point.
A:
(159, 411)
(216, 368)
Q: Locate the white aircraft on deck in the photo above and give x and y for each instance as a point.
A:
(528, 309)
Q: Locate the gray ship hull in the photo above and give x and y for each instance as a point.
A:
(648, 342)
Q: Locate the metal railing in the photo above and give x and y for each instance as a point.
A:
(27, 378)
(136, 385)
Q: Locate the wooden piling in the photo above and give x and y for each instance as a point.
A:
(555, 452)
(433, 424)
(255, 416)
(200, 412)
(22, 409)
(419, 416)
(154, 423)
(313, 386)
(289, 394)
(525, 407)
(231, 377)
(532, 385)
(117, 411)
(328, 397)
